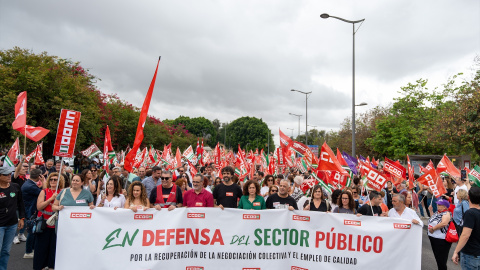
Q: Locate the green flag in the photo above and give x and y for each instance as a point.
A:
(474, 175)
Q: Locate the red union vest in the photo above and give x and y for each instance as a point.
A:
(172, 198)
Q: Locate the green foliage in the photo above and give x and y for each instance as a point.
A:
(250, 133)
(53, 84)
(200, 127)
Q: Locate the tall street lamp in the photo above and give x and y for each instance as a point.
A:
(326, 16)
(299, 115)
(306, 112)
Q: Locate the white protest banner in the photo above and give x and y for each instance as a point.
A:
(209, 238)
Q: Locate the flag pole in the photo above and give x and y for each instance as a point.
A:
(25, 141)
(60, 175)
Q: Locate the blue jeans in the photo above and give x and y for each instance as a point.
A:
(7, 234)
(30, 239)
(469, 262)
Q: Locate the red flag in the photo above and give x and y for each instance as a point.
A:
(328, 161)
(341, 159)
(375, 179)
(395, 169)
(308, 184)
(20, 111)
(38, 155)
(14, 152)
(107, 148)
(193, 170)
(178, 159)
(33, 133)
(217, 155)
(410, 173)
(284, 139)
(141, 124)
(445, 165)
(433, 181)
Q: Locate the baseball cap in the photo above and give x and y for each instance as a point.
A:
(6, 170)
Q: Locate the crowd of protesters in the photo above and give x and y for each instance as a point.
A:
(28, 192)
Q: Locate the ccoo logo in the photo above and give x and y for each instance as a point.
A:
(196, 215)
(352, 222)
(143, 216)
(251, 216)
(80, 215)
(301, 218)
(402, 226)
(298, 268)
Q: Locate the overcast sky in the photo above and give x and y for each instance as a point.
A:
(228, 59)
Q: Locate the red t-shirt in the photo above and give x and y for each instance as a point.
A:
(202, 199)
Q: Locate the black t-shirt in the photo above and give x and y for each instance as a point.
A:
(366, 210)
(276, 202)
(11, 201)
(227, 196)
(321, 208)
(472, 220)
(166, 194)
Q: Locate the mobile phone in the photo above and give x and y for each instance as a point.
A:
(463, 175)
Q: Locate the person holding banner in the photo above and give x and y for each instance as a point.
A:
(113, 198)
(399, 210)
(137, 197)
(346, 203)
(228, 193)
(318, 202)
(167, 195)
(74, 196)
(198, 196)
(46, 242)
(372, 207)
(281, 199)
(437, 231)
(251, 199)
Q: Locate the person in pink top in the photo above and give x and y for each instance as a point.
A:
(197, 196)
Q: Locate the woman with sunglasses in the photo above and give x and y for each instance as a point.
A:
(46, 242)
(267, 183)
(271, 190)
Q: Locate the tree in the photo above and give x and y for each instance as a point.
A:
(52, 84)
(200, 127)
(251, 133)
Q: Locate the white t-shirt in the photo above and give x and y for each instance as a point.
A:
(457, 188)
(407, 214)
(264, 190)
(118, 202)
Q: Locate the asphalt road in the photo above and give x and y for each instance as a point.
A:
(428, 261)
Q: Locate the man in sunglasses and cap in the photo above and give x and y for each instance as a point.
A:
(10, 202)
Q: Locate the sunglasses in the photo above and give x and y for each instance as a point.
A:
(53, 179)
(354, 192)
(274, 190)
(93, 170)
(165, 178)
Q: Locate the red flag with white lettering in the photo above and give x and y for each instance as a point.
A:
(130, 157)
(433, 181)
(395, 169)
(411, 172)
(66, 133)
(328, 161)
